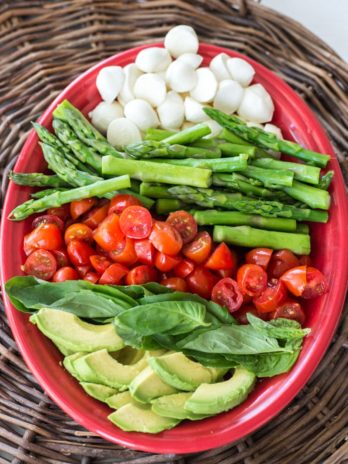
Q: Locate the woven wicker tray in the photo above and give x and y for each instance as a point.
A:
(44, 46)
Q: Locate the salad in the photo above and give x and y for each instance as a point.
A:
(169, 255)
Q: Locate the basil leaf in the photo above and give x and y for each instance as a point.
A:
(278, 328)
(210, 360)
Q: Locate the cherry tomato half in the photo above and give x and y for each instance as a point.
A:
(201, 281)
(305, 281)
(259, 256)
(222, 258)
(65, 273)
(96, 215)
(305, 260)
(280, 262)
(79, 253)
(222, 273)
(121, 201)
(63, 212)
(185, 224)
(252, 279)
(41, 264)
(175, 283)
(241, 314)
(80, 207)
(48, 219)
(99, 263)
(113, 274)
(61, 258)
(227, 293)
(165, 262)
(84, 270)
(78, 231)
(290, 309)
(45, 236)
(108, 234)
(165, 238)
(199, 249)
(141, 275)
(91, 277)
(272, 297)
(124, 252)
(136, 222)
(145, 251)
(184, 268)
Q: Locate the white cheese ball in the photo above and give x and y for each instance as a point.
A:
(122, 132)
(257, 105)
(151, 87)
(104, 113)
(131, 73)
(153, 59)
(271, 128)
(171, 112)
(241, 71)
(194, 111)
(206, 87)
(228, 96)
(181, 39)
(109, 82)
(192, 59)
(141, 113)
(181, 77)
(218, 66)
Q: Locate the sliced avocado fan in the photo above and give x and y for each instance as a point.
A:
(174, 406)
(148, 385)
(97, 391)
(119, 399)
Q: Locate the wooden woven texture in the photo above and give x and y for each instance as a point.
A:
(46, 44)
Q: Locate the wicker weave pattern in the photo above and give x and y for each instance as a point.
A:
(44, 45)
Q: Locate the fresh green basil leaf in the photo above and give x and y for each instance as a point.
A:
(279, 328)
(210, 360)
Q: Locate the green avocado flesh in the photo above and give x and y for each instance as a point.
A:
(218, 397)
(68, 363)
(119, 399)
(148, 385)
(63, 350)
(99, 392)
(174, 406)
(70, 332)
(135, 417)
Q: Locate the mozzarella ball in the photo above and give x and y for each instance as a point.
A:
(273, 130)
(181, 39)
(206, 87)
(181, 77)
(104, 113)
(122, 132)
(256, 105)
(228, 96)
(171, 112)
(192, 59)
(218, 66)
(150, 87)
(141, 113)
(132, 73)
(153, 59)
(194, 111)
(241, 71)
(109, 82)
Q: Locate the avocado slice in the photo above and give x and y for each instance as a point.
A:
(68, 363)
(100, 367)
(119, 399)
(70, 332)
(97, 391)
(135, 417)
(218, 397)
(63, 350)
(180, 372)
(148, 385)
(173, 406)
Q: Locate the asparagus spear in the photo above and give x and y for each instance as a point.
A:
(237, 163)
(60, 198)
(270, 177)
(207, 198)
(249, 237)
(311, 196)
(325, 180)
(302, 228)
(235, 218)
(155, 190)
(83, 129)
(264, 139)
(153, 149)
(157, 134)
(166, 205)
(189, 135)
(148, 171)
(303, 172)
(230, 137)
(36, 179)
(45, 192)
(231, 149)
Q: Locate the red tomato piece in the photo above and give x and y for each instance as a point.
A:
(280, 262)
(78, 231)
(175, 283)
(184, 223)
(48, 219)
(41, 264)
(305, 281)
(124, 252)
(84, 270)
(79, 253)
(165, 262)
(222, 258)
(28, 245)
(108, 234)
(290, 309)
(225, 272)
(227, 293)
(45, 236)
(272, 297)
(305, 260)
(80, 207)
(145, 251)
(63, 212)
(65, 273)
(184, 268)
(252, 279)
(61, 258)
(165, 238)
(199, 249)
(99, 263)
(201, 281)
(121, 201)
(91, 277)
(241, 314)
(141, 275)
(295, 279)
(259, 256)
(316, 283)
(136, 222)
(113, 274)
(96, 215)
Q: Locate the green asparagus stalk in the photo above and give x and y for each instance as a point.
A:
(148, 171)
(230, 137)
(237, 163)
(56, 199)
(311, 196)
(45, 192)
(84, 129)
(166, 205)
(135, 185)
(270, 177)
(249, 237)
(325, 180)
(303, 172)
(36, 179)
(155, 190)
(302, 228)
(266, 140)
(189, 135)
(235, 218)
(157, 134)
(207, 198)
(231, 149)
(152, 149)
(205, 143)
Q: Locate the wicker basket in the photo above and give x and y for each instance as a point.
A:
(45, 45)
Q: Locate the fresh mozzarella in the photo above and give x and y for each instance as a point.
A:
(181, 77)
(153, 59)
(109, 82)
(123, 132)
(104, 113)
(254, 124)
(141, 113)
(171, 112)
(218, 66)
(181, 39)
(192, 59)
(241, 71)
(228, 96)
(256, 105)
(273, 130)
(206, 87)
(151, 87)
(194, 111)
(132, 73)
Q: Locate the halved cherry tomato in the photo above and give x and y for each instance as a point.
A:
(222, 258)
(259, 256)
(46, 236)
(175, 283)
(84, 270)
(201, 281)
(108, 234)
(78, 231)
(241, 314)
(272, 297)
(141, 275)
(305, 260)
(222, 273)
(227, 293)
(184, 268)
(295, 279)
(145, 251)
(252, 279)
(184, 223)
(165, 238)
(96, 215)
(165, 262)
(316, 283)
(28, 245)
(80, 207)
(121, 201)
(61, 258)
(41, 264)
(63, 212)
(65, 273)
(91, 277)
(290, 309)
(280, 262)
(48, 219)
(305, 281)
(124, 252)
(79, 253)
(199, 249)
(136, 222)
(113, 274)
(100, 263)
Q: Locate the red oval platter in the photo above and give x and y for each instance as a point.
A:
(329, 242)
